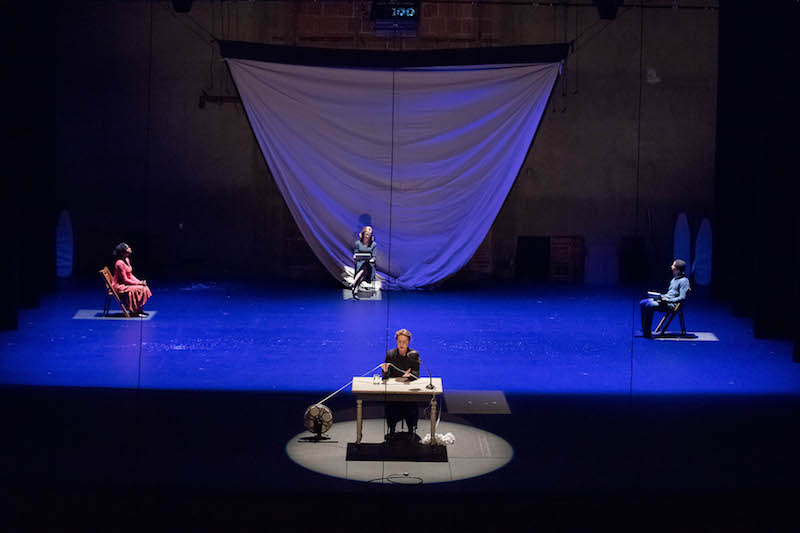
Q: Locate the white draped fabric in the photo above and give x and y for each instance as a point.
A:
(425, 155)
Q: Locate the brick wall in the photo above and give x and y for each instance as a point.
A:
(599, 144)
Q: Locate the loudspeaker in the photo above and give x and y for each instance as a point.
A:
(533, 258)
(607, 9)
(184, 6)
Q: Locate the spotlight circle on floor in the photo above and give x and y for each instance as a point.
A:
(475, 452)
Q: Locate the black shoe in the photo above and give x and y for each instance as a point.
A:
(355, 295)
(142, 313)
(647, 335)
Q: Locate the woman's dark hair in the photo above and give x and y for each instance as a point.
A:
(120, 249)
(680, 264)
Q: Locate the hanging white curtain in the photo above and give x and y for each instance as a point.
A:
(424, 155)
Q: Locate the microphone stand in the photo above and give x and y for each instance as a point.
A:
(419, 360)
(429, 386)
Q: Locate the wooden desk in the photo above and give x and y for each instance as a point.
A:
(395, 390)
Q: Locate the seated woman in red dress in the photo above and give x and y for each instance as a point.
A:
(125, 282)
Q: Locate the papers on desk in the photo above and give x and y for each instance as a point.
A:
(397, 386)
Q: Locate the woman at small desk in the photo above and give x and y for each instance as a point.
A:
(365, 269)
(407, 361)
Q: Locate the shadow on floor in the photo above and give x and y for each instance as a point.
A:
(217, 459)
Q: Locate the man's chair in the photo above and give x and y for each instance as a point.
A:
(661, 329)
(110, 291)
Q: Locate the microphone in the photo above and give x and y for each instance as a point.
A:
(415, 355)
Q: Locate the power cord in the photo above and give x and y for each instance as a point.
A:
(345, 385)
(405, 475)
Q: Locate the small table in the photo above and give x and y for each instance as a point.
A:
(395, 390)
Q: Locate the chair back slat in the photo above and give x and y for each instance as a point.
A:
(105, 273)
(107, 276)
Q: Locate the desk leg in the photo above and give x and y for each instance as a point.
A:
(433, 421)
(358, 420)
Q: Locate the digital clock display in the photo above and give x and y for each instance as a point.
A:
(403, 12)
(399, 10)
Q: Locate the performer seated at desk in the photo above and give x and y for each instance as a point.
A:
(365, 269)
(125, 283)
(408, 363)
(676, 293)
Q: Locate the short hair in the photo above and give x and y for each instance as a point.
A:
(120, 248)
(403, 332)
(680, 264)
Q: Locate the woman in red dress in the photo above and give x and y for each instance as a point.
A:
(125, 282)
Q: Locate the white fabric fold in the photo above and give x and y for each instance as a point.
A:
(424, 155)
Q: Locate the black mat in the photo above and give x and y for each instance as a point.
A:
(396, 451)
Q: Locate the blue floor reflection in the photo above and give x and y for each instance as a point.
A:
(285, 337)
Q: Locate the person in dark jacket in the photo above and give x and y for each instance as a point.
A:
(365, 269)
(401, 362)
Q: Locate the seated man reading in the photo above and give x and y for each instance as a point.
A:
(676, 293)
(401, 363)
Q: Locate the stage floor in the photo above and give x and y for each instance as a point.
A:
(190, 411)
(295, 338)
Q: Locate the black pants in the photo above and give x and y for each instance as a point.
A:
(397, 411)
(648, 307)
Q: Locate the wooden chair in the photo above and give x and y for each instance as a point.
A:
(661, 329)
(110, 291)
